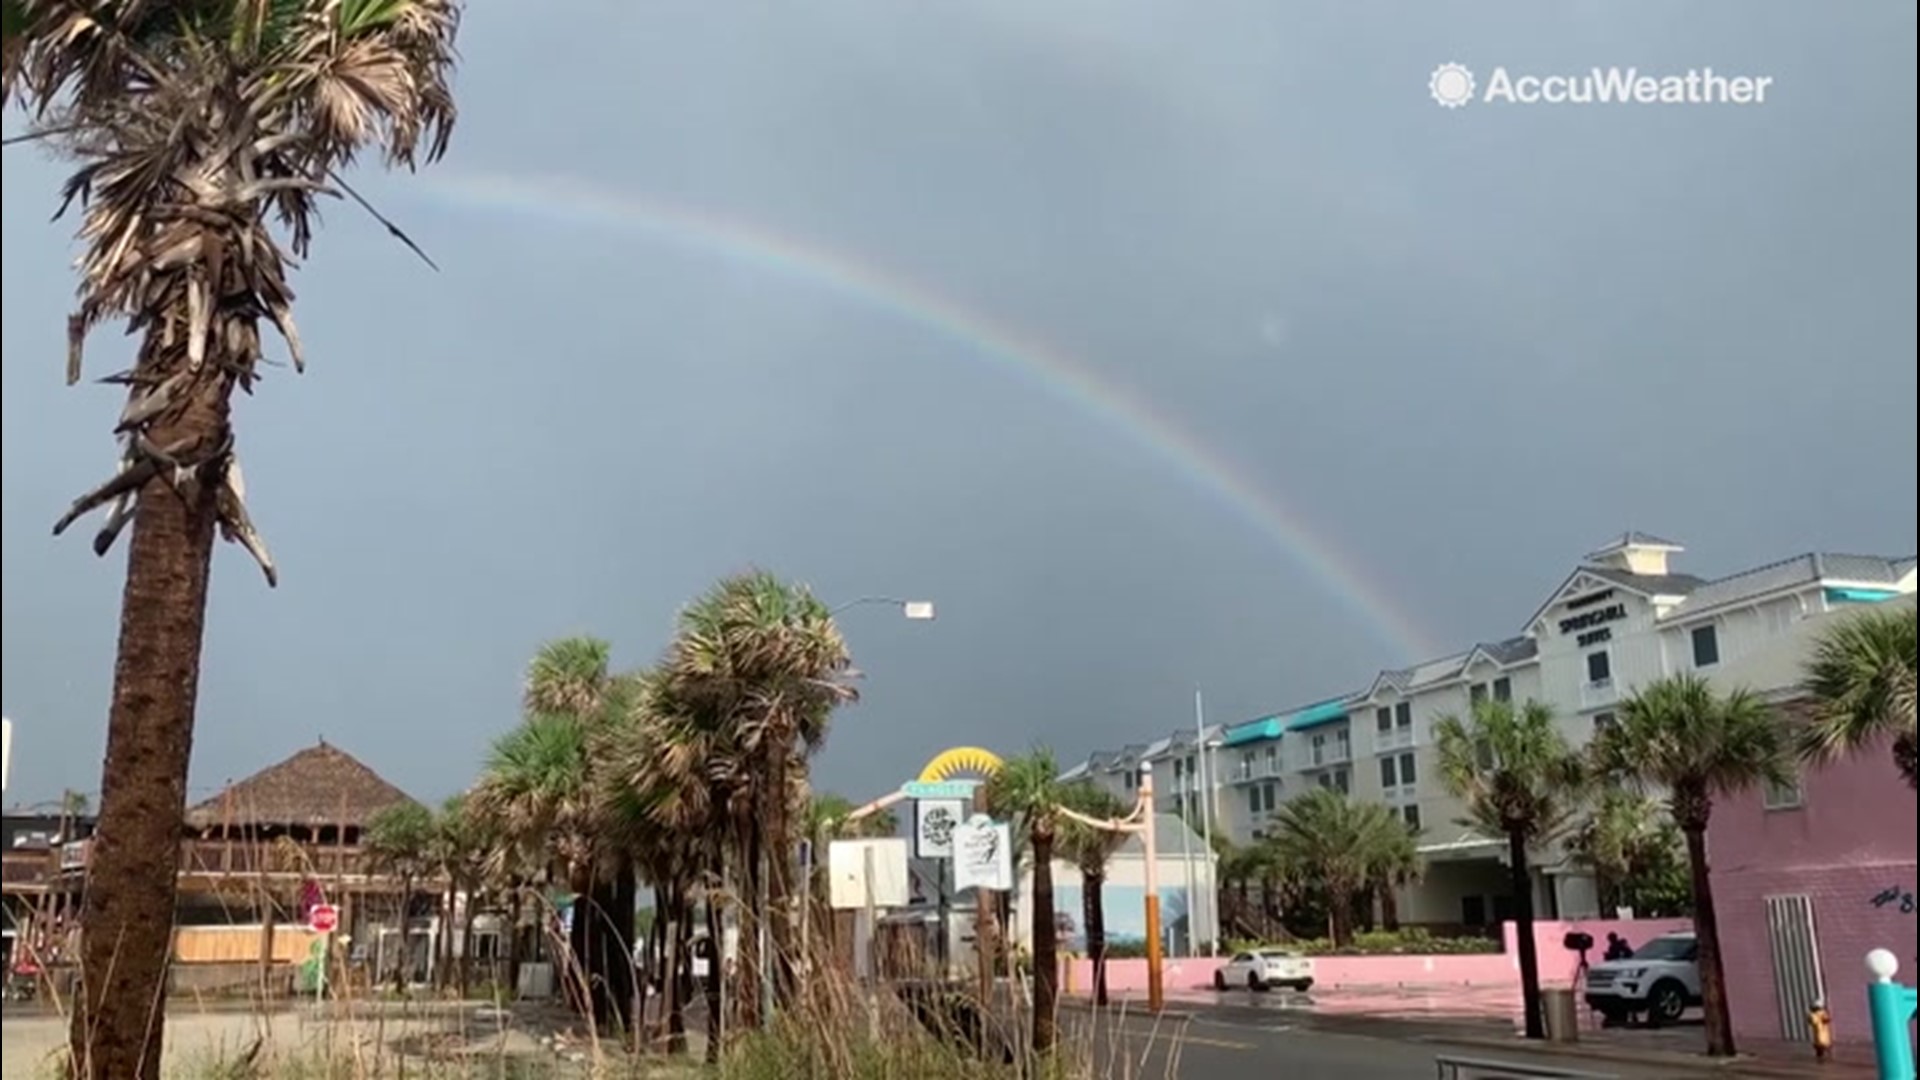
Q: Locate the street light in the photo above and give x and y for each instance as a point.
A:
(914, 610)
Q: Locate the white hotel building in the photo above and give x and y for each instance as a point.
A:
(1623, 617)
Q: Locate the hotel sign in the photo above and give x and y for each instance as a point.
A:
(1587, 620)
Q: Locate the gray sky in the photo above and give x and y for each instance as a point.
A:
(1461, 346)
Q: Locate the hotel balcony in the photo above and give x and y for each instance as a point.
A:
(1400, 738)
(1322, 757)
(1599, 693)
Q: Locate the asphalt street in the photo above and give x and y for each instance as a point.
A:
(1243, 1043)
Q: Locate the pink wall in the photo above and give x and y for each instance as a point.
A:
(1374, 972)
(1853, 839)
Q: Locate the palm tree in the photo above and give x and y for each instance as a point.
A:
(1861, 678)
(1327, 838)
(190, 125)
(1028, 791)
(1393, 859)
(1679, 736)
(402, 841)
(758, 666)
(1635, 853)
(539, 787)
(462, 848)
(1519, 780)
(1091, 849)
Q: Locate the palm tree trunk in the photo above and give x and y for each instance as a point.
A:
(1340, 915)
(716, 971)
(1094, 903)
(466, 942)
(1706, 925)
(746, 1002)
(403, 971)
(514, 938)
(1389, 907)
(133, 866)
(1906, 756)
(778, 853)
(1046, 953)
(1535, 1020)
(443, 973)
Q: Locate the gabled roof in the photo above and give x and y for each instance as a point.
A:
(1647, 586)
(1502, 654)
(1395, 679)
(1801, 570)
(1633, 538)
(321, 785)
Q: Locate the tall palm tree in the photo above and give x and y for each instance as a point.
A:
(462, 848)
(190, 126)
(402, 841)
(1679, 736)
(539, 787)
(1861, 677)
(759, 665)
(1520, 781)
(1090, 850)
(1329, 839)
(1028, 791)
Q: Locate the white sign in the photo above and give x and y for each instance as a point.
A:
(861, 869)
(934, 823)
(983, 855)
(1454, 86)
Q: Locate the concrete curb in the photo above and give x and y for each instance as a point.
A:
(1691, 1064)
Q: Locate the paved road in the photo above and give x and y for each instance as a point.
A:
(1227, 1042)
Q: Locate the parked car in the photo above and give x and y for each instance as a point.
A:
(1264, 969)
(1661, 979)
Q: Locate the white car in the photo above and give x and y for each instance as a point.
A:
(1265, 969)
(1661, 979)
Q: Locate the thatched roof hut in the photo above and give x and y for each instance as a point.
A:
(319, 786)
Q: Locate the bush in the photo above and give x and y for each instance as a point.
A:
(1411, 942)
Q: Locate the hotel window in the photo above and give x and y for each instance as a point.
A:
(1476, 693)
(1179, 770)
(1388, 777)
(1411, 814)
(1403, 715)
(1383, 719)
(1273, 761)
(1599, 668)
(1272, 791)
(1339, 780)
(1408, 775)
(1253, 800)
(1503, 689)
(1787, 796)
(1602, 722)
(1706, 646)
(1246, 765)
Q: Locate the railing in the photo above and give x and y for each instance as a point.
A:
(1400, 793)
(1322, 756)
(1460, 1068)
(1598, 692)
(1397, 739)
(216, 857)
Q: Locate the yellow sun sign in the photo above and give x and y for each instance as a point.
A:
(960, 763)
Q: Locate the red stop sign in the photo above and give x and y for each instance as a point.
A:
(323, 919)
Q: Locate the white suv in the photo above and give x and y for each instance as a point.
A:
(1662, 980)
(1264, 969)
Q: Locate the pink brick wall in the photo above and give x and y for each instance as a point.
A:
(1853, 839)
(1378, 972)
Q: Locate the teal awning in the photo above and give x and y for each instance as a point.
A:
(1314, 715)
(1860, 596)
(1255, 731)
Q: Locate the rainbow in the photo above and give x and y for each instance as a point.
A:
(1014, 351)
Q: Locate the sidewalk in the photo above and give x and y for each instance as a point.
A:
(1782, 1061)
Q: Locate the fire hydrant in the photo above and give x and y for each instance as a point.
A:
(1820, 1026)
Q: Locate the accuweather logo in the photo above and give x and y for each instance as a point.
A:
(1453, 86)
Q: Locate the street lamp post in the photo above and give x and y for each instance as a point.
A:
(915, 611)
(1204, 757)
(1156, 990)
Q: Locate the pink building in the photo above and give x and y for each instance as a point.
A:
(1808, 881)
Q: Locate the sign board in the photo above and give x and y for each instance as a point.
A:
(940, 789)
(983, 855)
(934, 821)
(323, 919)
(854, 878)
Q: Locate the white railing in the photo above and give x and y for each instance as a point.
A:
(1598, 692)
(1397, 739)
